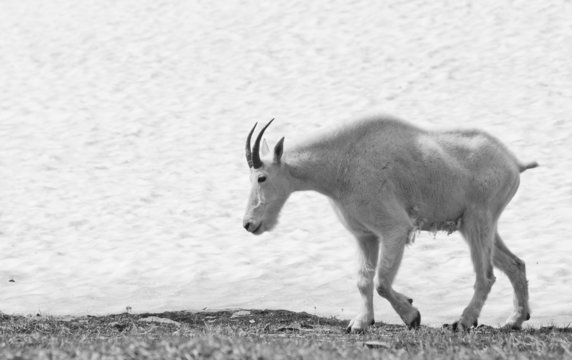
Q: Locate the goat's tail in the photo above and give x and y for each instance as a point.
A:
(524, 167)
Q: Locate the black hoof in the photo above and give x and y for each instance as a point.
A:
(410, 301)
(455, 326)
(528, 316)
(484, 327)
(372, 322)
(510, 328)
(355, 331)
(416, 322)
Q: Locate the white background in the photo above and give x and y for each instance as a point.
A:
(122, 124)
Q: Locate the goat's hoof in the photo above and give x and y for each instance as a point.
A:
(410, 300)
(416, 322)
(454, 327)
(359, 325)
(349, 330)
(514, 322)
(511, 327)
(459, 326)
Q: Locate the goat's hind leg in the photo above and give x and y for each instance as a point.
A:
(368, 247)
(515, 270)
(478, 229)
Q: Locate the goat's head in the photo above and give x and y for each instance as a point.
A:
(270, 187)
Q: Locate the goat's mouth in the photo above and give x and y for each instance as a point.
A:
(257, 231)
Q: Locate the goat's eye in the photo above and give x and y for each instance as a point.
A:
(261, 179)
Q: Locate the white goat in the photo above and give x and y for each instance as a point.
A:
(387, 179)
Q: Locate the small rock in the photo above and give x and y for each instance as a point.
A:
(240, 313)
(376, 344)
(67, 318)
(156, 319)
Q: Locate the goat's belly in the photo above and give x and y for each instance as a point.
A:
(431, 222)
(449, 226)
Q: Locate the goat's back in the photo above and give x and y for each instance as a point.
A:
(435, 171)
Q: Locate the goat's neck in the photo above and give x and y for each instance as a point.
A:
(315, 168)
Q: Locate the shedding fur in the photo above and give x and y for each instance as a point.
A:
(387, 180)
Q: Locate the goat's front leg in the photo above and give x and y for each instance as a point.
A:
(368, 249)
(392, 247)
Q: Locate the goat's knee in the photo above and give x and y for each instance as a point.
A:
(384, 290)
(520, 265)
(365, 280)
(486, 284)
(364, 285)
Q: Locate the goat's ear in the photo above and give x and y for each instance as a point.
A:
(265, 149)
(278, 151)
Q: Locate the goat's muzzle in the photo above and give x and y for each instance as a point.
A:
(252, 227)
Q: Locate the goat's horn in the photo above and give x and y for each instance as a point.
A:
(256, 162)
(248, 152)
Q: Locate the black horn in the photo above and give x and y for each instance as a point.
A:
(248, 152)
(256, 162)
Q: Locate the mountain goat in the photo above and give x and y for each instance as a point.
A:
(387, 179)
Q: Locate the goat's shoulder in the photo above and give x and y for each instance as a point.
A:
(351, 137)
(385, 123)
(385, 132)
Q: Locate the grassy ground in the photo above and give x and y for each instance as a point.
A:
(260, 334)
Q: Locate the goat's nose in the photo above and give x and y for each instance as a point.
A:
(247, 225)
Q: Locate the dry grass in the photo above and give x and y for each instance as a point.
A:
(261, 334)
